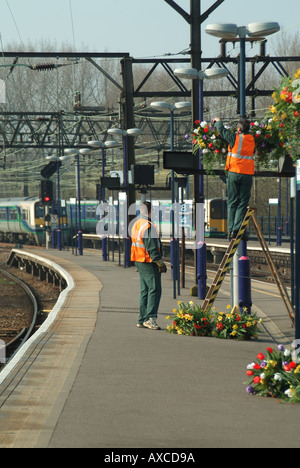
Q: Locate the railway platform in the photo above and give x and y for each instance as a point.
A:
(92, 379)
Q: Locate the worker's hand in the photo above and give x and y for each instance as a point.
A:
(162, 267)
(216, 119)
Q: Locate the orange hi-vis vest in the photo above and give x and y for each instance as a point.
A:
(138, 250)
(240, 158)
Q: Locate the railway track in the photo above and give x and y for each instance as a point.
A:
(18, 315)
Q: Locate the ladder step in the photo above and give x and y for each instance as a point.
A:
(229, 254)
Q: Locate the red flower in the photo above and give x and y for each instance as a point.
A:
(292, 365)
(256, 379)
(261, 356)
(296, 113)
(270, 350)
(210, 145)
(238, 318)
(220, 326)
(205, 129)
(250, 372)
(256, 366)
(217, 151)
(268, 136)
(287, 368)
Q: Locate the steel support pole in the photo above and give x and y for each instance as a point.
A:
(197, 112)
(80, 246)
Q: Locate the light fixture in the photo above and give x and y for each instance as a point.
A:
(193, 74)
(231, 31)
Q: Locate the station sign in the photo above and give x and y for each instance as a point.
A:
(273, 201)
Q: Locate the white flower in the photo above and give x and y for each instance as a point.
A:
(263, 376)
(195, 131)
(258, 132)
(256, 124)
(270, 121)
(213, 137)
(287, 353)
(203, 124)
(251, 366)
(290, 392)
(224, 150)
(205, 150)
(278, 377)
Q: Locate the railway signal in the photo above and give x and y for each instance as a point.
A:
(47, 192)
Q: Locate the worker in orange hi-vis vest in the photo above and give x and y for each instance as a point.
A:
(146, 253)
(240, 171)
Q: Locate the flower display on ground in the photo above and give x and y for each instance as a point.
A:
(276, 134)
(275, 375)
(191, 320)
(235, 325)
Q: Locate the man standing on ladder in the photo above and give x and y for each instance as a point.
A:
(240, 170)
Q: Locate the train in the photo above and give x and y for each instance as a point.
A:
(22, 220)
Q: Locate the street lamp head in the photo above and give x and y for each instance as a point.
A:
(224, 30)
(159, 105)
(215, 73)
(95, 144)
(115, 131)
(85, 151)
(231, 31)
(134, 131)
(184, 105)
(111, 144)
(71, 151)
(188, 73)
(262, 29)
(193, 74)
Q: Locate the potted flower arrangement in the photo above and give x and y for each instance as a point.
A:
(233, 325)
(275, 375)
(191, 320)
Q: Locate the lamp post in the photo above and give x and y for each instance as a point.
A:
(77, 153)
(58, 159)
(174, 245)
(130, 132)
(103, 146)
(200, 259)
(232, 31)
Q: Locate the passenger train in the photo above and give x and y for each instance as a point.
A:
(23, 219)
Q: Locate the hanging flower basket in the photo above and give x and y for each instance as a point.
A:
(276, 135)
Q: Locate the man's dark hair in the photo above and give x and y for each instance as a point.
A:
(244, 125)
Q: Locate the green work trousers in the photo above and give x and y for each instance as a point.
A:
(238, 192)
(151, 290)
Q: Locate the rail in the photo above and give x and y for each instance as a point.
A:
(24, 333)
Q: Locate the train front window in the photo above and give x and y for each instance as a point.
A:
(218, 209)
(39, 211)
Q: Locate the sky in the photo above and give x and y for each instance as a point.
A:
(143, 28)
